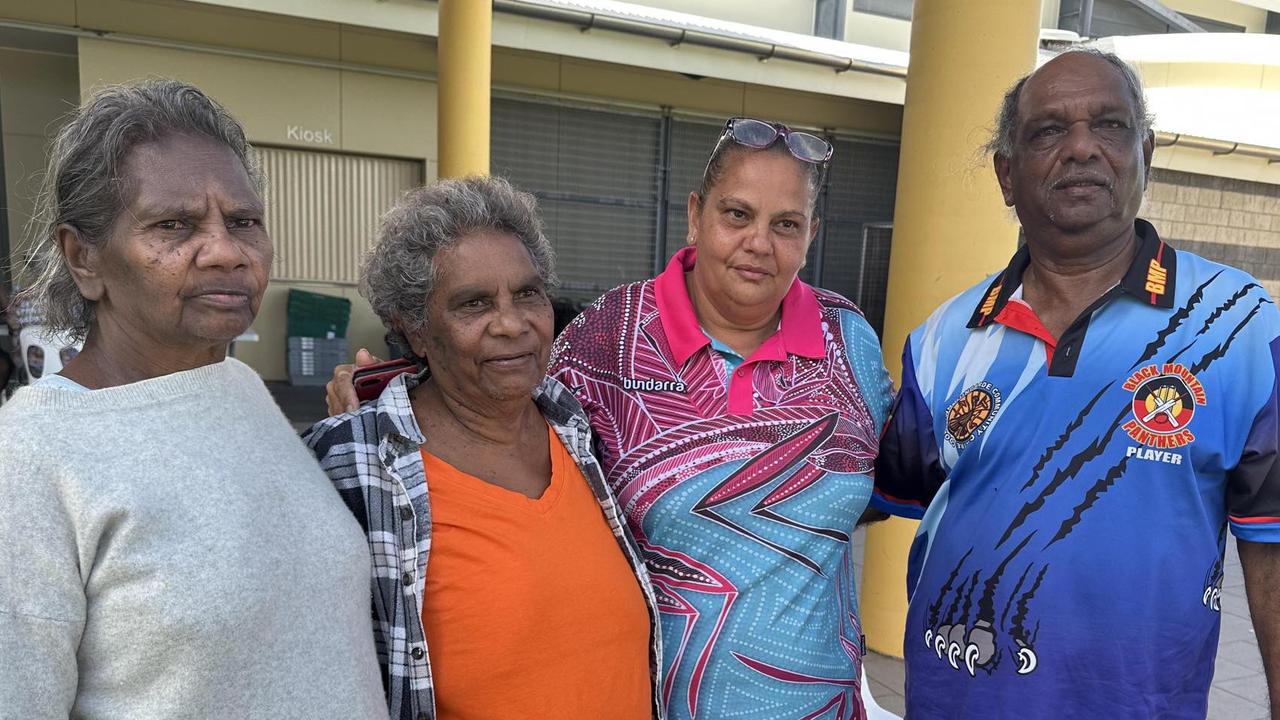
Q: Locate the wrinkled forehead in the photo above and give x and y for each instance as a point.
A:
(1079, 83)
(185, 169)
(772, 172)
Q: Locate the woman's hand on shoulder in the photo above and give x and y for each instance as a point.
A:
(340, 391)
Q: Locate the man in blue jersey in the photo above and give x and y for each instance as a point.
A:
(1079, 432)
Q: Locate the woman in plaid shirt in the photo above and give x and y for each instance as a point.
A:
(537, 603)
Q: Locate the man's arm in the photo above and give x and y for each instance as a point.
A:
(1261, 564)
(908, 469)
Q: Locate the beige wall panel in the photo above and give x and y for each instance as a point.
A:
(1251, 18)
(877, 31)
(24, 163)
(823, 110)
(386, 49)
(36, 89)
(1213, 75)
(268, 355)
(1050, 11)
(647, 86)
(54, 12)
(657, 55)
(1204, 162)
(388, 115)
(269, 98)
(1271, 78)
(210, 25)
(1153, 74)
(790, 15)
(414, 16)
(526, 70)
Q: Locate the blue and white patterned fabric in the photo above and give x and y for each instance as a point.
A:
(1076, 493)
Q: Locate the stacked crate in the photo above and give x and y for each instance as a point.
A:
(317, 327)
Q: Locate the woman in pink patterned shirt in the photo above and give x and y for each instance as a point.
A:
(737, 412)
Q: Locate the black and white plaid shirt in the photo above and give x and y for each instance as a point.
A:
(373, 456)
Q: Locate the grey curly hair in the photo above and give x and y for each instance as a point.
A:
(84, 186)
(399, 271)
(1002, 138)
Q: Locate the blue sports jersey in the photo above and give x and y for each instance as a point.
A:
(1076, 494)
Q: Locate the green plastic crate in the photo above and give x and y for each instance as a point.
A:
(315, 315)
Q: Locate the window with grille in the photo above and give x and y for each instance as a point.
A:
(614, 188)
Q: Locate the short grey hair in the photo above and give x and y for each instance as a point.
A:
(1002, 138)
(84, 186)
(400, 271)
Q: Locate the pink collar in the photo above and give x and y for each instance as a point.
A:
(800, 332)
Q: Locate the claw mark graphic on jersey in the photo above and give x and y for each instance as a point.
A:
(1176, 320)
(1155, 405)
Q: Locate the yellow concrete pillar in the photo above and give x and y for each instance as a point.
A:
(950, 225)
(465, 66)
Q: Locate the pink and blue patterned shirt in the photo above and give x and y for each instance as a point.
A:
(742, 487)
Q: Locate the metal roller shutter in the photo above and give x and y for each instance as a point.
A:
(323, 209)
(598, 175)
(691, 144)
(861, 187)
(595, 176)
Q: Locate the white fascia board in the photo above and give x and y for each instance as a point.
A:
(725, 28)
(1229, 48)
(1231, 114)
(621, 48)
(1272, 5)
(410, 16)
(556, 38)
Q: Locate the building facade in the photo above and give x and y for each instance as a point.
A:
(606, 111)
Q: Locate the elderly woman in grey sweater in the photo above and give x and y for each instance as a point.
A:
(170, 548)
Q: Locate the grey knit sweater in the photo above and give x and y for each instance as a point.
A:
(169, 549)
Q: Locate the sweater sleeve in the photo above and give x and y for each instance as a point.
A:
(42, 601)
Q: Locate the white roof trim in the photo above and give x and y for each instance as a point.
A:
(678, 21)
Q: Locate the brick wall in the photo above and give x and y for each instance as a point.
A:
(1234, 222)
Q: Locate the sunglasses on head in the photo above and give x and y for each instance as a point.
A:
(759, 134)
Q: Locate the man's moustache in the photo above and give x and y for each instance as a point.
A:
(1083, 179)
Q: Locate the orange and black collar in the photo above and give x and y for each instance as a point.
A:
(1150, 277)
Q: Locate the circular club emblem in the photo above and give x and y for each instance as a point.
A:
(971, 413)
(1163, 405)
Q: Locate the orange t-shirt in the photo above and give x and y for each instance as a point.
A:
(530, 608)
